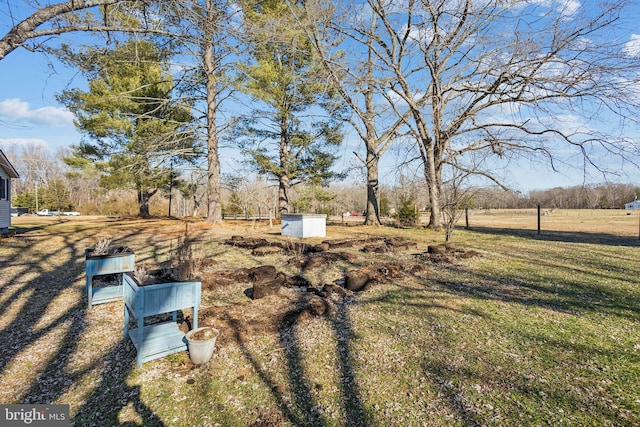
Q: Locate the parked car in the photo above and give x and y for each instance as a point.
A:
(71, 213)
(19, 211)
(46, 212)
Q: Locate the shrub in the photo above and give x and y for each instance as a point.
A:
(407, 214)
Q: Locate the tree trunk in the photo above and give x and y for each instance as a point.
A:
(214, 214)
(283, 195)
(283, 178)
(373, 209)
(433, 186)
(143, 203)
(434, 182)
(196, 204)
(214, 209)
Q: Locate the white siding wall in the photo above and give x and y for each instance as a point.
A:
(5, 206)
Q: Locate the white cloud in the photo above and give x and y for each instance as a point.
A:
(419, 34)
(399, 100)
(23, 142)
(632, 47)
(566, 8)
(15, 110)
(569, 124)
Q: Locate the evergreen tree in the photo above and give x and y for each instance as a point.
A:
(56, 196)
(292, 137)
(25, 200)
(134, 127)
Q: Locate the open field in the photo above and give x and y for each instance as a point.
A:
(597, 223)
(536, 330)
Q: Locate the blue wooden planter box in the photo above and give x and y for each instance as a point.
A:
(158, 340)
(98, 265)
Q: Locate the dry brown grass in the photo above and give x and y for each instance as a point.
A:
(589, 221)
(541, 329)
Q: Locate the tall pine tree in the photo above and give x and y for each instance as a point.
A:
(292, 137)
(134, 128)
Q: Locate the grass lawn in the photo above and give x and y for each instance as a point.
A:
(539, 329)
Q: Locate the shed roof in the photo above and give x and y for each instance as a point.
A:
(6, 165)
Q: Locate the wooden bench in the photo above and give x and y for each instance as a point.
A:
(161, 339)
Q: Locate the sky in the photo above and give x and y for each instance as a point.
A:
(30, 114)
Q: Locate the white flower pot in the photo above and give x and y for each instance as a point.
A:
(201, 349)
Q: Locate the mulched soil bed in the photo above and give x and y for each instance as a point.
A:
(276, 300)
(244, 321)
(446, 253)
(293, 298)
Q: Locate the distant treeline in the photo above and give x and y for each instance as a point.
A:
(47, 183)
(600, 196)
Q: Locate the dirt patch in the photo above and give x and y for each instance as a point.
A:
(321, 259)
(351, 242)
(242, 322)
(266, 250)
(203, 334)
(285, 300)
(261, 247)
(273, 300)
(392, 244)
(247, 243)
(362, 279)
(447, 253)
(376, 244)
(265, 299)
(225, 277)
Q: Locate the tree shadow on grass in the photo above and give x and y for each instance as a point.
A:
(40, 282)
(302, 406)
(562, 236)
(353, 410)
(277, 391)
(113, 397)
(352, 404)
(551, 377)
(525, 400)
(19, 229)
(569, 295)
(39, 292)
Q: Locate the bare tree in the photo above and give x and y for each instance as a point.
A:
(260, 196)
(340, 28)
(491, 77)
(457, 192)
(52, 20)
(43, 172)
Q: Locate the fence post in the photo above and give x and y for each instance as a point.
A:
(538, 219)
(466, 217)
